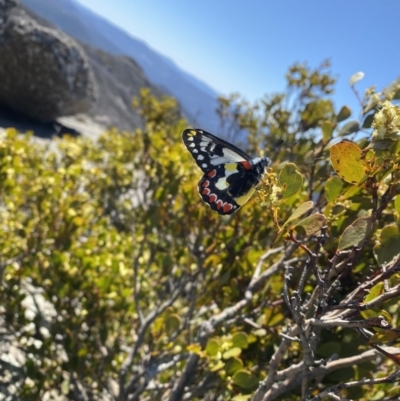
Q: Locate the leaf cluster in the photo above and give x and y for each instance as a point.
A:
(117, 283)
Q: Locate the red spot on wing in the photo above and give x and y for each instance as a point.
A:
(246, 164)
(212, 198)
(205, 183)
(219, 204)
(205, 191)
(212, 173)
(227, 207)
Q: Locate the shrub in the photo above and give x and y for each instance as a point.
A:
(118, 283)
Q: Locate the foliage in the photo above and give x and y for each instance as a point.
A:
(119, 284)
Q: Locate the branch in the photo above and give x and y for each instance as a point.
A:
(354, 299)
(142, 332)
(208, 327)
(261, 261)
(371, 322)
(136, 285)
(394, 377)
(276, 360)
(275, 389)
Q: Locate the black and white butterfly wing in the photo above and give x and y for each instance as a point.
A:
(209, 151)
(230, 174)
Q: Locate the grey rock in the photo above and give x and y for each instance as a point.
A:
(6, 7)
(119, 80)
(44, 74)
(198, 101)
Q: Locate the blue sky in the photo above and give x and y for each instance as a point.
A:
(246, 47)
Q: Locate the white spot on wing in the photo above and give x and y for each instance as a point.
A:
(204, 165)
(200, 157)
(195, 151)
(221, 183)
(190, 138)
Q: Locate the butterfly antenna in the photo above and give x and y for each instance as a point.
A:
(279, 144)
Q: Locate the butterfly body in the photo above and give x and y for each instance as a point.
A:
(230, 175)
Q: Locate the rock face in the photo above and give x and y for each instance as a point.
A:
(119, 79)
(44, 74)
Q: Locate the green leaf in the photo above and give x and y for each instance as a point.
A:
(290, 180)
(369, 313)
(195, 348)
(241, 397)
(385, 336)
(374, 292)
(351, 192)
(172, 323)
(327, 129)
(381, 144)
(230, 353)
(65, 387)
(397, 205)
(240, 340)
(355, 233)
(344, 113)
(260, 332)
(329, 348)
(212, 347)
(245, 379)
(310, 225)
(367, 123)
(315, 112)
(346, 161)
(396, 96)
(83, 351)
(376, 312)
(302, 209)
(349, 128)
(233, 365)
(388, 246)
(216, 365)
(273, 316)
(395, 149)
(333, 187)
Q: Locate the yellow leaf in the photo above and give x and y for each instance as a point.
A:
(346, 161)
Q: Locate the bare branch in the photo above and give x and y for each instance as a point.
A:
(275, 389)
(371, 322)
(394, 377)
(142, 332)
(208, 327)
(261, 261)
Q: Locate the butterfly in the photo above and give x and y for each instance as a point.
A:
(230, 174)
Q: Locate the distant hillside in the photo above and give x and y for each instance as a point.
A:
(198, 101)
(119, 79)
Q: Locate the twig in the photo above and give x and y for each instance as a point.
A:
(136, 285)
(209, 326)
(276, 390)
(276, 360)
(261, 261)
(371, 322)
(394, 377)
(142, 332)
(364, 287)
